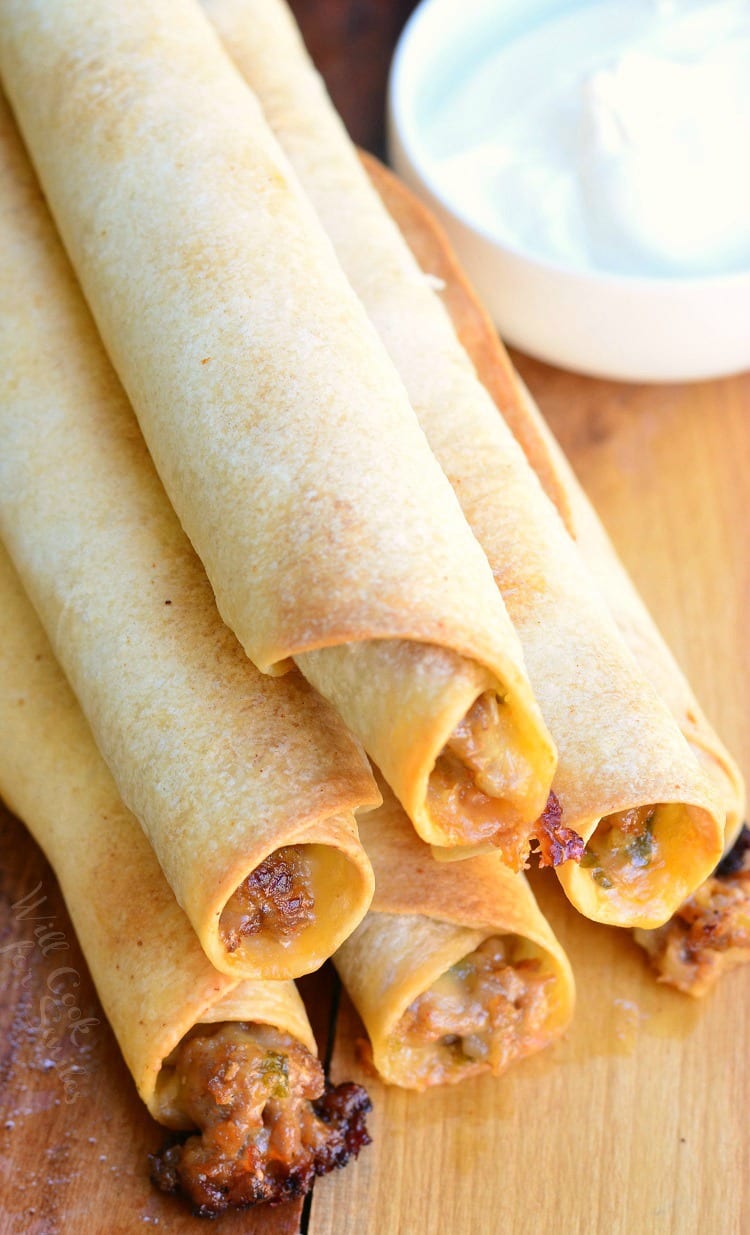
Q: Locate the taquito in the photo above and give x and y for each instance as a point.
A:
(634, 621)
(279, 427)
(626, 779)
(245, 785)
(709, 934)
(454, 970)
(493, 366)
(179, 1023)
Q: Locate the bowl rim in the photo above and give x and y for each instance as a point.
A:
(403, 80)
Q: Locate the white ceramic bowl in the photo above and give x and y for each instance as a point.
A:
(626, 327)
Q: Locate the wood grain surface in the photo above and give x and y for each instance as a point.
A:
(635, 1123)
(74, 1135)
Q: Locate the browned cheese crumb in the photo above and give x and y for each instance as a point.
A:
(268, 1120)
(556, 843)
(275, 898)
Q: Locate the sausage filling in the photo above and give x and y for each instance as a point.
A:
(710, 933)
(481, 1015)
(480, 764)
(480, 769)
(276, 898)
(268, 1121)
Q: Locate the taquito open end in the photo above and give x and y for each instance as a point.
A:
(289, 912)
(468, 1002)
(274, 1004)
(468, 757)
(268, 1122)
(454, 970)
(641, 863)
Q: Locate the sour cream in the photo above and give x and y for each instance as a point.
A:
(614, 137)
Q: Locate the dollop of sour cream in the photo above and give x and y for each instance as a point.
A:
(614, 137)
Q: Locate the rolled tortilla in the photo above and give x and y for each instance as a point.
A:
(278, 425)
(239, 781)
(493, 366)
(626, 779)
(633, 619)
(164, 1000)
(454, 970)
(709, 934)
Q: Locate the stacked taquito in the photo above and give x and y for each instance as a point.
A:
(493, 366)
(179, 1023)
(454, 970)
(627, 780)
(245, 785)
(634, 621)
(276, 421)
(709, 933)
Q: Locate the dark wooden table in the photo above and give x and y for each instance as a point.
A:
(351, 42)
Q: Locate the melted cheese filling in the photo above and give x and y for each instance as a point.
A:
(479, 777)
(482, 1014)
(627, 845)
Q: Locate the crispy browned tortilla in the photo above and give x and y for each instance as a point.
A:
(226, 769)
(620, 750)
(228, 1064)
(276, 421)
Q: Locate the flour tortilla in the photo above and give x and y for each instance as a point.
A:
(425, 917)
(495, 370)
(619, 747)
(221, 764)
(276, 422)
(153, 979)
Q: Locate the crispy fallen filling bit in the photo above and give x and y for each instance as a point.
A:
(481, 1015)
(554, 843)
(268, 1120)
(710, 933)
(623, 845)
(276, 899)
(477, 774)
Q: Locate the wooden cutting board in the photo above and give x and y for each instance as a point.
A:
(634, 1124)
